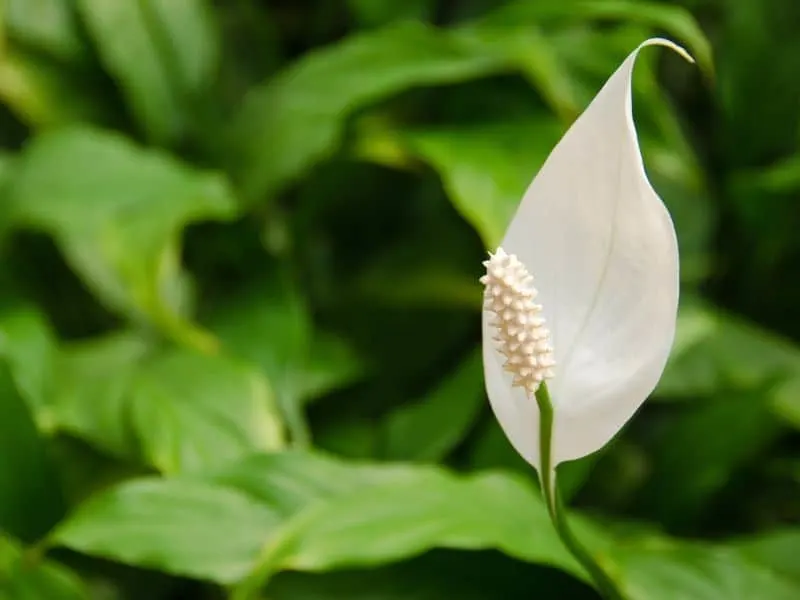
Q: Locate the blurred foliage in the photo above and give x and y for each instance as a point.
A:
(239, 309)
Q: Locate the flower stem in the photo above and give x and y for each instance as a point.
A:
(555, 506)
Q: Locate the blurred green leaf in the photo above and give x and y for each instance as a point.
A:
(303, 109)
(191, 528)
(439, 574)
(162, 54)
(777, 550)
(675, 20)
(430, 428)
(270, 327)
(655, 571)
(30, 497)
(486, 168)
(117, 212)
(45, 64)
(31, 578)
(49, 26)
(174, 409)
(369, 13)
(702, 463)
(43, 92)
(29, 347)
(719, 352)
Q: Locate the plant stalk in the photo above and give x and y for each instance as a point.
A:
(555, 506)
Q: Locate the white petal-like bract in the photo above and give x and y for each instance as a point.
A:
(602, 247)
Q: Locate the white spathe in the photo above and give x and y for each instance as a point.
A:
(602, 249)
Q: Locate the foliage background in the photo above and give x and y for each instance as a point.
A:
(239, 305)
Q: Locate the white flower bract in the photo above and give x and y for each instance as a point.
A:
(602, 247)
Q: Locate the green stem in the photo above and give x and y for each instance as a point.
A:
(555, 507)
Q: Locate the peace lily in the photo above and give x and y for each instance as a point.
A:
(581, 298)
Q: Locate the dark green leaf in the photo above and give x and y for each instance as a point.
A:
(43, 92)
(302, 110)
(704, 463)
(431, 427)
(676, 20)
(117, 212)
(30, 496)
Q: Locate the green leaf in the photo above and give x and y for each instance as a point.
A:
(430, 428)
(303, 109)
(189, 528)
(656, 571)
(31, 578)
(675, 20)
(162, 54)
(394, 521)
(48, 26)
(777, 550)
(96, 379)
(270, 327)
(174, 409)
(44, 92)
(117, 212)
(717, 352)
(46, 73)
(29, 347)
(30, 497)
(486, 168)
(436, 575)
(704, 463)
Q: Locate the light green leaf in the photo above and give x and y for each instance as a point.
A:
(29, 347)
(162, 54)
(24, 579)
(187, 528)
(303, 109)
(270, 327)
(398, 520)
(117, 212)
(174, 409)
(431, 427)
(777, 550)
(96, 379)
(193, 411)
(48, 26)
(665, 571)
